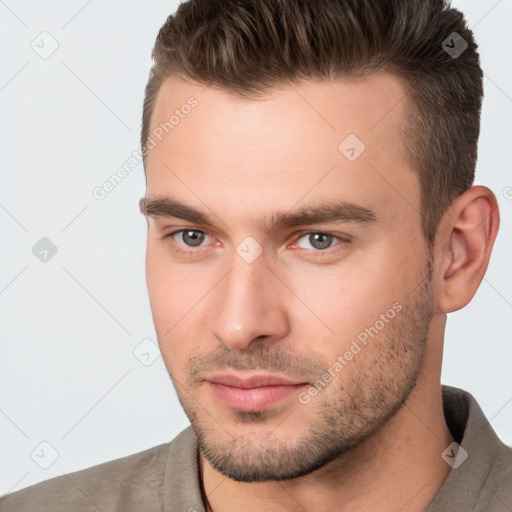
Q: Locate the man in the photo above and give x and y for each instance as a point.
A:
(311, 222)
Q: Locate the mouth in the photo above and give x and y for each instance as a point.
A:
(254, 393)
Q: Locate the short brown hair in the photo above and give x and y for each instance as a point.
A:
(248, 47)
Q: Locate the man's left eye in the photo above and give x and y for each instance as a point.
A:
(318, 240)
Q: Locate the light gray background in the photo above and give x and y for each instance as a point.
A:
(69, 327)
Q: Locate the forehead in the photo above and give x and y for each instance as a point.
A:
(312, 140)
(372, 104)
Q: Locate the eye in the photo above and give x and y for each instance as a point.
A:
(319, 241)
(190, 238)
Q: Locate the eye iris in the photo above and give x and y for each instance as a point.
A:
(193, 240)
(320, 241)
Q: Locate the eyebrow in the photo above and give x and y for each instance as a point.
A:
(322, 213)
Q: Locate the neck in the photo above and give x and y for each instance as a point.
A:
(399, 467)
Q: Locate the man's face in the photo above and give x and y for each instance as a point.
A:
(338, 306)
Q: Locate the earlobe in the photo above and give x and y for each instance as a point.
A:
(467, 235)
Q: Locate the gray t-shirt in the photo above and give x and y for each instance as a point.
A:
(165, 478)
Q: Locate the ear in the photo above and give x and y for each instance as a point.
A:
(466, 236)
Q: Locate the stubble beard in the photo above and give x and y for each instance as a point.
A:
(351, 408)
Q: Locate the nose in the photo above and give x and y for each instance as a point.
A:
(249, 305)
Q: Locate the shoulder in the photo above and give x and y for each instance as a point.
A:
(134, 480)
(497, 487)
(483, 479)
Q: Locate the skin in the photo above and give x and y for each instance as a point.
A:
(373, 438)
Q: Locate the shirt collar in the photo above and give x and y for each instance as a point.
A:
(470, 428)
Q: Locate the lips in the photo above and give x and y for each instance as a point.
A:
(254, 381)
(254, 393)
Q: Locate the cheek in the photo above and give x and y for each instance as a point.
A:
(166, 288)
(177, 299)
(156, 283)
(340, 302)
